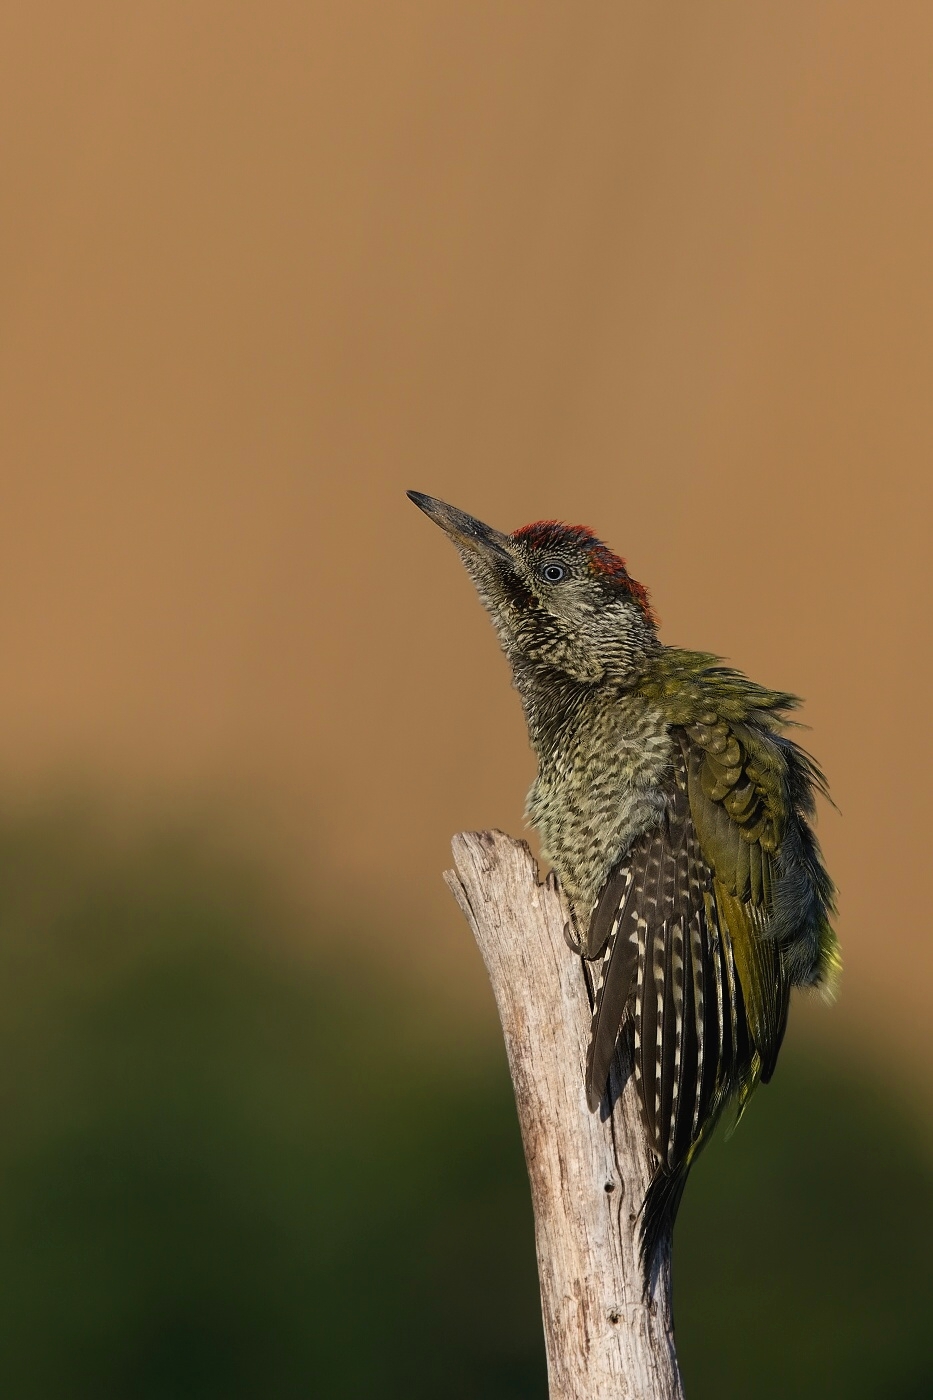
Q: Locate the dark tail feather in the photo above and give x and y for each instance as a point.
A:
(662, 1201)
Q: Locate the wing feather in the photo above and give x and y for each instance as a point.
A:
(649, 1024)
(683, 918)
(617, 973)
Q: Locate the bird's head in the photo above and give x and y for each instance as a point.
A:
(559, 598)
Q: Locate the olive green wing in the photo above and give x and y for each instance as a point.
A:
(669, 971)
(690, 957)
(670, 980)
(705, 923)
(736, 784)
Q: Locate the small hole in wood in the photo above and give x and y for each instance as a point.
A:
(609, 1186)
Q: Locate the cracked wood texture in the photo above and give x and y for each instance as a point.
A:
(588, 1173)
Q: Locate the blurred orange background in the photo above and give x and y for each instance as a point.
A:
(662, 269)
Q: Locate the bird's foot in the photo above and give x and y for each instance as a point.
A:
(571, 936)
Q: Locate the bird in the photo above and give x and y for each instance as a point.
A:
(678, 815)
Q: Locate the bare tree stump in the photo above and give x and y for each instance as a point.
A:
(588, 1175)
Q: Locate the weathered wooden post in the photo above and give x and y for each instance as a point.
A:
(604, 1340)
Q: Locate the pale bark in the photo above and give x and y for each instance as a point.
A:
(588, 1174)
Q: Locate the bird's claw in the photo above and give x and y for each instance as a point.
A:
(570, 938)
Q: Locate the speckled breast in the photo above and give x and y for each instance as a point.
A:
(604, 783)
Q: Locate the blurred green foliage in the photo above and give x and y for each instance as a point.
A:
(229, 1170)
(802, 1252)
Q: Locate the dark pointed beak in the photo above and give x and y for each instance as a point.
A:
(466, 532)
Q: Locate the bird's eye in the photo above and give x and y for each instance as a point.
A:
(553, 573)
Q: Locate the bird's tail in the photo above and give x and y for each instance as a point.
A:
(666, 1188)
(662, 1201)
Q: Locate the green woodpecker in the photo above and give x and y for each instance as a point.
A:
(678, 818)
